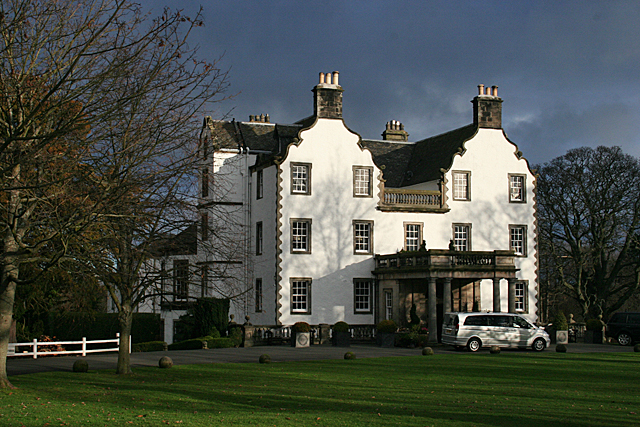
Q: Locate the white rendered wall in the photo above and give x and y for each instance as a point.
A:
(332, 150)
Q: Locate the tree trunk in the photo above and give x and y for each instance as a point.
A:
(7, 297)
(125, 319)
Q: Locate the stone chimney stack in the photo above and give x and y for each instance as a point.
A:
(395, 132)
(487, 108)
(327, 96)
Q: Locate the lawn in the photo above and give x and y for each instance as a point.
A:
(508, 389)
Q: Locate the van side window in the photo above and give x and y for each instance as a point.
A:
(502, 321)
(476, 321)
(634, 318)
(519, 322)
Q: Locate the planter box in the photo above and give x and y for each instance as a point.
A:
(386, 339)
(301, 339)
(562, 337)
(593, 337)
(341, 339)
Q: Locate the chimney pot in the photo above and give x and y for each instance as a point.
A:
(495, 90)
(335, 78)
(321, 78)
(480, 89)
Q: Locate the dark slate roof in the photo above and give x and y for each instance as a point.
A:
(403, 164)
(433, 154)
(392, 158)
(183, 243)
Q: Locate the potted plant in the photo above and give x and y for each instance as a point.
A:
(300, 334)
(561, 327)
(386, 333)
(595, 331)
(340, 335)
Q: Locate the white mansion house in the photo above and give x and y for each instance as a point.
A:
(310, 222)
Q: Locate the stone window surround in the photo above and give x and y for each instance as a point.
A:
(369, 192)
(307, 249)
(258, 296)
(300, 281)
(467, 197)
(420, 228)
(307, 180)
(369, 250)
(468, 237)
(524, 188)
(368, 298)
(524, 238)
(524, 285)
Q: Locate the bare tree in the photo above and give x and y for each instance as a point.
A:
(81, 81)
(589, 218)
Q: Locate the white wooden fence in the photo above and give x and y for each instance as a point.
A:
(14, 348)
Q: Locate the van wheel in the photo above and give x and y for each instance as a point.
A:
(539, 344)
(474, 344)
(624, 338)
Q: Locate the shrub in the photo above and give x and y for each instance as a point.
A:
(561, 348)
(220, 342)
(386, 326)
(193, 344)
(636, 348)
(594, 325)
(148, 346)
(494, 349)
(206, 317)
(71, 326)
(265, 358)
(427, 351)
(412, 340)
(349, 355)
(341, 327)
(560, 322)
(80, 365)
(165, 362)
(301, 327)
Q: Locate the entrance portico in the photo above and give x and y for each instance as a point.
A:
(439, 271)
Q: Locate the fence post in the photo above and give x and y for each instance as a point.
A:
(35, 348)
(130, 340)
(118, 342)
(84, 346)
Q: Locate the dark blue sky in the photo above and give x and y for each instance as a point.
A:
(568, 71)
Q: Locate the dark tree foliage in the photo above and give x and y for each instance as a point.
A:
(589, 219)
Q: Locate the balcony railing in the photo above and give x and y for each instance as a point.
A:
(411, 200)
(441, 260)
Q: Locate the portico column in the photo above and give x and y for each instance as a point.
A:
(496, 294)
(447, 295)
(433, 315)
(512, 295)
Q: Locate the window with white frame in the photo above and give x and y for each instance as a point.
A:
(258, 295)
(412, 236)
(300, 236)
(180, 279)
(259, 238)
(462, 237)
(300, 178)
(301, 296)
(461, 185)
(362, 181)
(518, 239)
(517, 192)
(521, 296)
(388, 304)
(259, 184)
(363, 296)
(362, 237)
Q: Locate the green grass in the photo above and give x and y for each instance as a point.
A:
(507, 389)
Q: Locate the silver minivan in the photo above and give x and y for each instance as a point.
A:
(477, 330)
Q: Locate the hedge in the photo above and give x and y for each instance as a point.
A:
(100, 326)
(148, 346)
